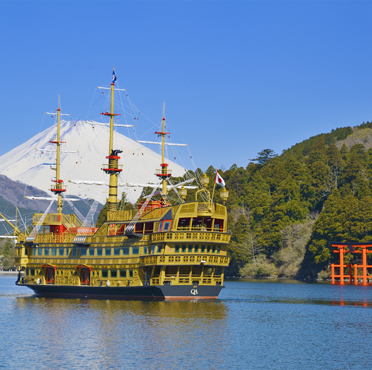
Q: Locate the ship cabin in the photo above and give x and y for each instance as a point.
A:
(180, 244)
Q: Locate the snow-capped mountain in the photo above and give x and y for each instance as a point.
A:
(90, 142)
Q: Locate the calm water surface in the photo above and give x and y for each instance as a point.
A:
(254, 325)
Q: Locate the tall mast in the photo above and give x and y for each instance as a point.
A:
(58, 188)
(113, 166)
(163, 173)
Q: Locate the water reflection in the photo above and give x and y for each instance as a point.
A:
(107, 329)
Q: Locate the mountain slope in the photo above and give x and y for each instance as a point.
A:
(32, 167)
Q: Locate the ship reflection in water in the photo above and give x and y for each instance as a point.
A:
(254, 325)
(103, 332)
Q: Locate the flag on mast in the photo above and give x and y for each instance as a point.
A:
(113, 76)
(219, 180)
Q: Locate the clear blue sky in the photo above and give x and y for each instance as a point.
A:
(237, 76)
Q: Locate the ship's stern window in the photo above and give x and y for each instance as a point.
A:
(123, 273)
(114, 273)
(61, 251)
(116, 251)
(196, 250)
(203, 248)
(74, 252)
(83, 252)
(213, 249)
(160, 249)
(177, 249)
(108, 251)
(99, 251)
(46, 251)
(218, 249)
(144, 250)
(126, 251)
(104, 273)
(36, 251)
(135, 250)
(32, 272)
(183, 248)
(54, 251)
(208, 249)
(130, 273)
(91, 252)
(189, 249)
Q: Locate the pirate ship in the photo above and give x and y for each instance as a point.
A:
(157, 251)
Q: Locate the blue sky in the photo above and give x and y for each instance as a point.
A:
(237, 76)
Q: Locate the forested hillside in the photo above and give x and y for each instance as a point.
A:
(285, 209)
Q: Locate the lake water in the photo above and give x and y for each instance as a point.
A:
(254, 325)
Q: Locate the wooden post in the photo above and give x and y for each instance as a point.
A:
(355, 274)
(350, 273)
(332, 273)
(342, 265)
(364, 259)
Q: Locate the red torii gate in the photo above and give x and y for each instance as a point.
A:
(352, 276)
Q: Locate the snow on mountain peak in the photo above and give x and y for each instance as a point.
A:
(90, 144)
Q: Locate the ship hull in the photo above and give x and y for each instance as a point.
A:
(156, 292)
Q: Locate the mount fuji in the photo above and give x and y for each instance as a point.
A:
(82, 157)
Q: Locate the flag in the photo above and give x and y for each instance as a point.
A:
(113, 77)
(219, 180)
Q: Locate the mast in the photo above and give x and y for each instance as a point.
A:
(58, 188)
(163, 173)
(113, 165)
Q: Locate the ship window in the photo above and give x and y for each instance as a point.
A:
(218, 225)
(37, 251)
(32, 272)
(130, 273)
(197, 223)
(196, 271)
(160, 225)
(149, 227)
(153, 249)
(213, 249)
(26, 251)
(104, 273)
(183, 224)
(189, 248)
(83, 252)
(135, 250)
(67, 251)
(117, 251)
(196, 249)
(177, 249)
(203, 248)
(126, 251)
(54, 252)
(91, 251)
(208, 249)
(99, 251)
(171, 270)
(114, 273)
(74, 252)
(218, 249)
(27, 272)
(144, 250)
(107, 251)
(160, 248)
(123, 273)
(61, 251)
(46, 251)
(183, 248)
(166, 226)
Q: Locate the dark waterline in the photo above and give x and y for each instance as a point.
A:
(254, 325)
